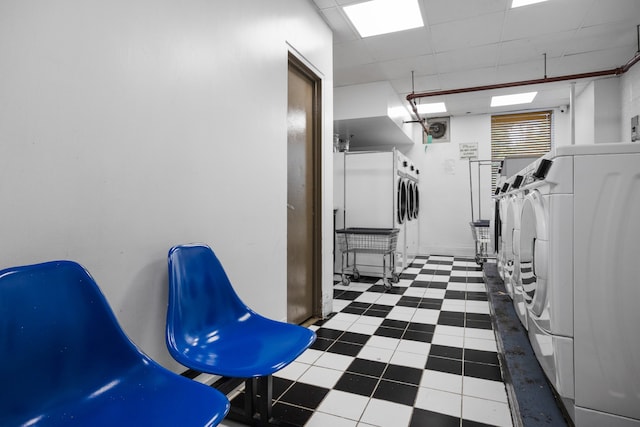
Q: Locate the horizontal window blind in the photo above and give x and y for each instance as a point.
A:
(519, 135)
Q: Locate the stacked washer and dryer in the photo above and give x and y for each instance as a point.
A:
(577, 251)
(378, 190)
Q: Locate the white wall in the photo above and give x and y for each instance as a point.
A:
(598, 112)
(630, 98)
(129, 127)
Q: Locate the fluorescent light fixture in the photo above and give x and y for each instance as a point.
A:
(375, 17)
(516, 98)
(518, 3)
(436, 107)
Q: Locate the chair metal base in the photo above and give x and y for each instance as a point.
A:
(257, 409)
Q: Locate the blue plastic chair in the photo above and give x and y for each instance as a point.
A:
(65, 361)
(211, 330)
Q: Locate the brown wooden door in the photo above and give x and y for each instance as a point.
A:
(302, 223)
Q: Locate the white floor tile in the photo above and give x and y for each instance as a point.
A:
(412, 360)
(383, 413)
(376, 354)
(309, 356)
(322, 377)
(439, 401)
(480, 344)
(370, 320)
(476, 287)
(342, 404)
(363, 328)
(320, 419)
(415, 292)
(292, 371)
(448, 340)
(334, 361)
(485, 334)
(401, 313)
(485, 389)
(425, 315)
(383, 342)
(478, 307)
(456, 286)
(424, 277)
(456, 331)
(441, 381)
(415, 347)
(434, 293)
(368, 297)
(486, 411)
(388, 299)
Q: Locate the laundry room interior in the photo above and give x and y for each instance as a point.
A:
(278, 213)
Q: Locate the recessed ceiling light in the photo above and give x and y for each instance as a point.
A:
(516, 98)
(436, 107)
(518, 3)
(377, 17)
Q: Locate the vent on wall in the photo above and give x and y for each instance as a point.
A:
(439, 129)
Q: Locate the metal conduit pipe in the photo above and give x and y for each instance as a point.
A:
(612, 72)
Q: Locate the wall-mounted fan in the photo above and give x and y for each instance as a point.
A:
(438, 129)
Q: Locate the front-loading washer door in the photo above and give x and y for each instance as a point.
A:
(534, 252)
(410, 200)
(401, 202)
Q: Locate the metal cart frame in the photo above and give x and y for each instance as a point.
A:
(381, 241)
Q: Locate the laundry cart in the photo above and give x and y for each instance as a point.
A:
(482, 238)
(480, 228)
(355, 240)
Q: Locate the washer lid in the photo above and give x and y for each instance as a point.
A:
(534, 252)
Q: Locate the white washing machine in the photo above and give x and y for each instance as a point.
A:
(376, 196)
(413, 209)
(511, 231)
(500, 228)
(579, 246)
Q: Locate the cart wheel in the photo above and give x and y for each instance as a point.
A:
(356, 275)
(345, 280)
(479, 260)
(387, 284)
(395, 278)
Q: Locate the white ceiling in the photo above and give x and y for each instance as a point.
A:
(469, 43)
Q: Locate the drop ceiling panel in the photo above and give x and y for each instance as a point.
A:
(443, 11)
(464, 59)
(464, 33)
(401, 68)
(543, 19)
(403, 44)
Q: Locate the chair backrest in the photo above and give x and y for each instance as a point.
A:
(201, 297)
(59, 339)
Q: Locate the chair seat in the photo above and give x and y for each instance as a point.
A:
(254, 346)
(147, 396)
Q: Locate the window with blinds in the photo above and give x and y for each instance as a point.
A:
(519, 135)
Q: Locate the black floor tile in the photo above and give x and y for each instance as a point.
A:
(418, 336)
(346, 295)
(329, 334)
(398, 324)
(446, 351)
(421, 327)
(389, 332)
(479, 356)
(403, 374)
(438, 285)
(291, 416)
(321, 344)
(392, 391)
(304, 395)
(441, 364)
(354, 338)
(367, 367)
(423, 418)
(484, 371)
(478, 324)
(357, 384)
(345, 348)
(419, 284)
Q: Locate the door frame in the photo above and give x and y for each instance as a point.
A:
(316, 154)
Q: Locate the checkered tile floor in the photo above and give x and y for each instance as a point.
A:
(420, 354)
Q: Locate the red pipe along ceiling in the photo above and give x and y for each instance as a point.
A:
(612, 72)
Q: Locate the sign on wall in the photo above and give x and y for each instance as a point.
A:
(469, 150)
